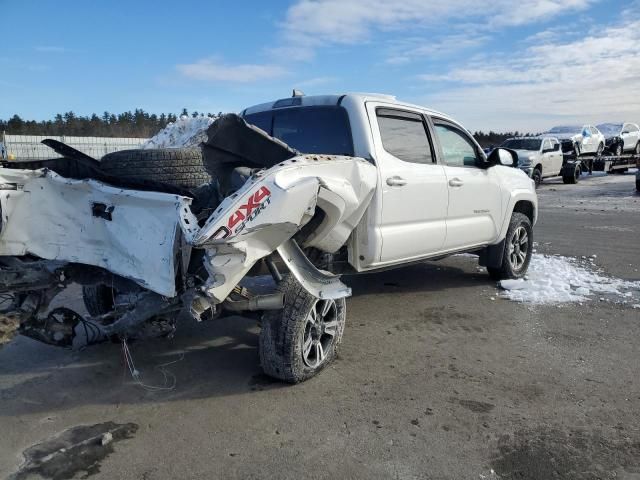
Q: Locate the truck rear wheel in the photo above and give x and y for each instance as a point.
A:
(98, 299)
(573, 177)
(518, 248)
(178, 167)
(302, 338)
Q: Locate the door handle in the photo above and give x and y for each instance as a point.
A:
(396, 181)
(456, 182)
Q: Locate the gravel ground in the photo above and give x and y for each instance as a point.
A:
(438, 378)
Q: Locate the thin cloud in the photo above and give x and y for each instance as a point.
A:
(209, 70)
(311, 24)
(588, 79)
(49, 49)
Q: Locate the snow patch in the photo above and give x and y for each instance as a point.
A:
(557, 279)
(185, 132)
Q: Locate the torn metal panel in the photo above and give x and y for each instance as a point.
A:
(317, 283)
(272, 207)
(128, 232)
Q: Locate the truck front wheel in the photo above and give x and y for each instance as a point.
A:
(518, 247)
(537, 176)
(302, 338)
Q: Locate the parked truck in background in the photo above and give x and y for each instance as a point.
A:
(538, 157)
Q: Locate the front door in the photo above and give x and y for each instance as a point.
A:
(413, 188)
(552, 158)
(475, 206)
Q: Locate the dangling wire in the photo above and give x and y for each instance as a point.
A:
(170, 379)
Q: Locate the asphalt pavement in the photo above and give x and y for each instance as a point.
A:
(438, 377)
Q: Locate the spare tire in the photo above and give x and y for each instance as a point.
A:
(178, 167)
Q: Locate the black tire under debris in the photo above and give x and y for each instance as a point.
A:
(178, 167)
(98, 299)
(283, 333)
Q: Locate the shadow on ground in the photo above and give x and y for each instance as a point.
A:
(211, 359)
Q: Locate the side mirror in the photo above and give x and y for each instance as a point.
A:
(503, 156)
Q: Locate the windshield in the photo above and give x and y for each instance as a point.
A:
(523, 144)
(323, 130)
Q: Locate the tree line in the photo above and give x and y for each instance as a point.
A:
(136, 124)
(493, 139)
(141, 124)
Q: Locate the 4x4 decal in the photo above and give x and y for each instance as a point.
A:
(245, 213)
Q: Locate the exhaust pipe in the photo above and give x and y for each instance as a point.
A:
(274, 301)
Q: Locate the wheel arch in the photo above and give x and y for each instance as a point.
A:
(521, 202)
(525, 207)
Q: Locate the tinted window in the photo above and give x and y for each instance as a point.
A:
(261, 120)
(458, 149)
(522, 144)
(404, 136)
(308, 129)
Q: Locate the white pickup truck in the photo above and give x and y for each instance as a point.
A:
(539, 157)
(338, 183)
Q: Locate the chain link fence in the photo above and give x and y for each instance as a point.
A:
(28, 147)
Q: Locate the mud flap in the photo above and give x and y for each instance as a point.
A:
(492, 255)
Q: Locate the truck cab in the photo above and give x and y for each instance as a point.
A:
(436, 193)
(539, 157)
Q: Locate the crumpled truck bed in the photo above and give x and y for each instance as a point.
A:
(128, 232)
(137, 234)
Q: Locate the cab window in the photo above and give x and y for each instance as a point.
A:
(404, 135)
(457, 148)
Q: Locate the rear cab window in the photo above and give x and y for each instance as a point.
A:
(404, 135)
(313, 129)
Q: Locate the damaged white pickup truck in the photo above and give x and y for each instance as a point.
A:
(261, 220)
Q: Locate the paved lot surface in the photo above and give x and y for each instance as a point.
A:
(438, 378)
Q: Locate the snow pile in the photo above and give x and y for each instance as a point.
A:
(185, 132)
(556, 279)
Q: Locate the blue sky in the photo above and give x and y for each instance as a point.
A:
(495, 64)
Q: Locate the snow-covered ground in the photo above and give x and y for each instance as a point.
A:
(185, 132)
(553, 279)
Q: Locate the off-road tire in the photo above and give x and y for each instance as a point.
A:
(507, 270)
(178, 167)
(637, 183)
(572, 178)
(282, 334)
(537, 177)
(98, 299)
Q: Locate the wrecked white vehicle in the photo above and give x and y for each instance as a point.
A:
(248, 224)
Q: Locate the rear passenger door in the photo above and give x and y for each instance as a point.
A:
(413, 188)
(475, 206)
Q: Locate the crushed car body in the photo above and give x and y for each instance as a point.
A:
(260, 220)
(148, 238)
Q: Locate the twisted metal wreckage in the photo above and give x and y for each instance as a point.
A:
(162, 252)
